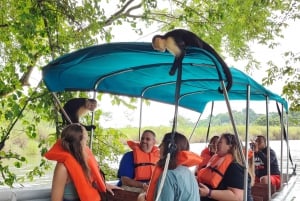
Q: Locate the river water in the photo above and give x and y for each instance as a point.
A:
(195, 147)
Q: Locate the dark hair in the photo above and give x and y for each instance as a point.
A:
(71, 138)
(213, 138)
(181, 144)
(230, 139)
(263, 137)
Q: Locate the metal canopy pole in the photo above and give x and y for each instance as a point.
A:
(193, 131)
(232, 120)
(92, 123)
(268, 148)
(246, 144)
(172, 146)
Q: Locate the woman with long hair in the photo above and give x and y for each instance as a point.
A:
(223, 177)
(76, 175)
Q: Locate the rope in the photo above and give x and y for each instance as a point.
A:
(163, 176)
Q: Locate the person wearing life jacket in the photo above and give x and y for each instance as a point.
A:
(223, 176)
(76, 175)
(136, 166)
(180, 183)
(208, 152)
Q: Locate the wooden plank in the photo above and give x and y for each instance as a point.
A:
(258, 198)
(261, 190)
(120, 195)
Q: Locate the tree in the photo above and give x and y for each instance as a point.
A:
(33, 32)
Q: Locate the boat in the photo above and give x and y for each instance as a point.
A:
(134, 69)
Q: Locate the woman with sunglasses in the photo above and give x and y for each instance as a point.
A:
(223, 177)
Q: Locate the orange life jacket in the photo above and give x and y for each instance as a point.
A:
(215, 169)
(144, 163)
(205, 154)
(85, 189)
(185, 158)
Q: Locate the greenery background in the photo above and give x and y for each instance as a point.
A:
(34, 32)
(29, 147)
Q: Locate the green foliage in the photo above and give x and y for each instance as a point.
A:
(35, 32)
(32, 34)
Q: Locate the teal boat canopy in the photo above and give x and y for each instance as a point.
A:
(134, 69)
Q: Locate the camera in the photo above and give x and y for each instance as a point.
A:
(252, 145)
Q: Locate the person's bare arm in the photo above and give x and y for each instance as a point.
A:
(59, 181)
(231, 194)
(131, 182)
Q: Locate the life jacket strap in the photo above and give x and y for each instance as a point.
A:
(143, 164)
(214, 169)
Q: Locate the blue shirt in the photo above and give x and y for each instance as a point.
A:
(126, 167)
(180, 185)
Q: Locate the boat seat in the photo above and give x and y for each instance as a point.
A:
(123, 195)
(261, 190)
(258, 198)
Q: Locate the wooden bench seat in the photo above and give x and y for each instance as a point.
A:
(258, 198)
(260, 191)
(120, 195)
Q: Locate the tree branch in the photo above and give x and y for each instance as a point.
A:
(122, 12)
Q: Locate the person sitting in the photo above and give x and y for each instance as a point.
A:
(208, 152)
(76, 108)
(260, 160)
(223, 177)
(136, 166)
(179, 183)
(76, 175)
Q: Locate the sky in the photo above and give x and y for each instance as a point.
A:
(160, 114)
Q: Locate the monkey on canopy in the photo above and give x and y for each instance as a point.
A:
(176, 42)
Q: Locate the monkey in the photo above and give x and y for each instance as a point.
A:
(76, 108)
(177, 40)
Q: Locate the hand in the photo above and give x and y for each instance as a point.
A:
(145, 187)
(142, 197)
(110, 188)
(203, 190)
(254, 146)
